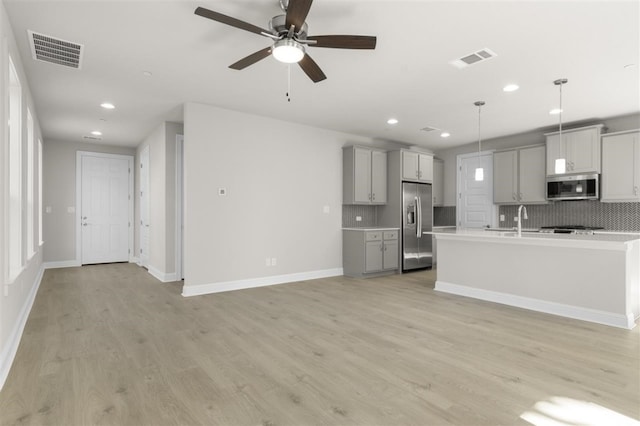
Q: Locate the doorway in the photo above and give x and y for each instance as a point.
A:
(179, 207)
(474, 203)
(104, 208)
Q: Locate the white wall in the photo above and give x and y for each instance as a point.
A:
(16, 296)
(162, 199)
(279, 177)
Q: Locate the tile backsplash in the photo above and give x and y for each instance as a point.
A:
(369, 215)
(610, 216)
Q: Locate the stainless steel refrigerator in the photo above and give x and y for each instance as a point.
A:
(417, 212)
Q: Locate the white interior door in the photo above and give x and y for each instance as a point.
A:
(475, 198)
(144, 206)
(105, 207)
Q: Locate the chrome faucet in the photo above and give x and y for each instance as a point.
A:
(520, 218)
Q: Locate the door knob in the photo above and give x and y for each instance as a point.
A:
(85, 224)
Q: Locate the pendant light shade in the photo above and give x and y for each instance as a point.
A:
(560, 165)
(479, 175)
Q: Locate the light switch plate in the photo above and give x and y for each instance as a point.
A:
(501, 218)
(222, 191)
(71, 209)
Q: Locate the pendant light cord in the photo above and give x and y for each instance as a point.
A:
(479, 138)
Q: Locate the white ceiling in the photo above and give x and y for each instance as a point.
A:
(408, 76)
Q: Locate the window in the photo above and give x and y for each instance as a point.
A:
(15, 174)
(30, 186)
(40, 207)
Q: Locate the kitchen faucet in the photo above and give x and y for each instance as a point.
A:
(520, 218)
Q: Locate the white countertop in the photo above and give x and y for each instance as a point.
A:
(600, 240)
(372, 228)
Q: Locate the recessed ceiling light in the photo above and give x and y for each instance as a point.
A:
(147, 73)
(510, 88)
(555, 111)
(445, 134)
(392, 121)
(107, 105)
(96, 133)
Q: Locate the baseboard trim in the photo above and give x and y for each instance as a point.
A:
(198, 290)
(569, 311)
(9, 353)
(61, 264)
(162, 276)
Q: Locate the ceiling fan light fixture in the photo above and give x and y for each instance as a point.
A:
(288, 51)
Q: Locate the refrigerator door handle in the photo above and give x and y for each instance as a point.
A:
(419, 220)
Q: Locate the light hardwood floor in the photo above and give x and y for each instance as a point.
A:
(108, 344)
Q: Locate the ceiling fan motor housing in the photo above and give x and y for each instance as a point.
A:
(278, 27)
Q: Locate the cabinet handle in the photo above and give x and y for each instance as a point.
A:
(635, 190)
(420, 173)
(381, 245)
(519, 196)
(374, 196)
(369, 196)
(513, 195)
(417, 174)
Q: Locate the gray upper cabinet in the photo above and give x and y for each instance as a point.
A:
(417, 167)
(621, 167)
(438, 183)
(364, 175)
(579, 148)
(519, 176)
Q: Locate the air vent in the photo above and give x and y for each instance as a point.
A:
(429, 129)
(92, 138)
(56, 51)
(473, 58)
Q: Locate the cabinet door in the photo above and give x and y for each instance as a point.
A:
(531, 176)
(362, 175)
(621, 167)
(390, 254)
(410, 169)
(378, 177)
(505, 175)
(555, 151)
(583, 151)
(425, 168)
(373, 256)
(438, 183)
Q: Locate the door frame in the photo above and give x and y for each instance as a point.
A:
(147, 183)
(79, 156)
(179, 207)
(459, 159)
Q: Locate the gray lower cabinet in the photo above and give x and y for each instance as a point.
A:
(369, 252)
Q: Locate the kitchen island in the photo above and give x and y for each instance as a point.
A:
(589, 277)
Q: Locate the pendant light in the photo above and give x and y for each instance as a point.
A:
(479, 176)
(561, 163)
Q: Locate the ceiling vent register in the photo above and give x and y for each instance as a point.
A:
(429, 129)
(473, 58)
(50, 49)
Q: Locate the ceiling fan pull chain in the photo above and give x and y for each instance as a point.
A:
(288, 94)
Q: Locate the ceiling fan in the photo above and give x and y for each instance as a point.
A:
(289, 32)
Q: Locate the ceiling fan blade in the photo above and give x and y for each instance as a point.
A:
(297, 11)
(251, 59)
(344, 41)
(219, 17)
(312, 69)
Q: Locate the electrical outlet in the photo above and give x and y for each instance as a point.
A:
(326, 209)
(358, 218)
(274, 261)
(515, 218)
(501, 218)
(267, 261)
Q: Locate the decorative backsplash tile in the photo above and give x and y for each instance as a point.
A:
(444, 216)
(369, 215)
(610, 216)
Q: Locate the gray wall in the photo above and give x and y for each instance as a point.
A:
(59, 175)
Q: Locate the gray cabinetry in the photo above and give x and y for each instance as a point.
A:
(416, 166)
(438, 183)
(621, 167)
(519, 176)
(369, 252)
(364, 175)
(578, 151)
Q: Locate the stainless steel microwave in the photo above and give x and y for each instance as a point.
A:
(573, 187)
